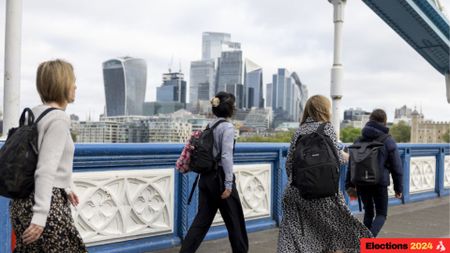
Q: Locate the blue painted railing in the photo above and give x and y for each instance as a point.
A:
(110, 157)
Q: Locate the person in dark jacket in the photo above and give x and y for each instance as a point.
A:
(376, 196)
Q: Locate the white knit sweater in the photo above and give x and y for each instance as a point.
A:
(54, 167)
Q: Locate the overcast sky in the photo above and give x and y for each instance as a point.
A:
(380, 69)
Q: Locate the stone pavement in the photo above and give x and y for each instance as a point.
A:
(429, 218)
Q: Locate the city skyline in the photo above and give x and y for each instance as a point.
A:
(378, 67)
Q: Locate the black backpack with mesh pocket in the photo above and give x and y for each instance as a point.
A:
(19, 156)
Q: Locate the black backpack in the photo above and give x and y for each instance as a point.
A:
(315, 171)
(19, 156)
(202, 158)
(365, 165)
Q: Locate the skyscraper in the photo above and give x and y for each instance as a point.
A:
(289, 95)
(269, 95)
(214, 43)
(253, 85)
(300, 100)
(229, 74)
(125, 80)
(204, 73)
(220, 69)
(237, 90)
(202, 80)
(279, 83)
(173, 88)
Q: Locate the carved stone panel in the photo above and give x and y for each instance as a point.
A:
(253, 183)
(122, 205)
(422, 174)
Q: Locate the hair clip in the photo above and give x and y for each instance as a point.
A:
(215, 101)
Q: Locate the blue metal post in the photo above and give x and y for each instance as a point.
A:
(188, 212)
(406, 175)
(342, 176)
(440, 163)
(279, 185)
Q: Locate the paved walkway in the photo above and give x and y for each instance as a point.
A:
(429, 218)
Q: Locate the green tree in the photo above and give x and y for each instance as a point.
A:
(401, 132)
(446, 137)
(74, 135)
(350, 134)
(277, 137)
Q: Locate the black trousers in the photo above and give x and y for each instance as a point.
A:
(211, 187)
(374, 198)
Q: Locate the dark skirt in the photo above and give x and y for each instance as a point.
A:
(60, 233)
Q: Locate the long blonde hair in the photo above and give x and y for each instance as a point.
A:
(318, 108)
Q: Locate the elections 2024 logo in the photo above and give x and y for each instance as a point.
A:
(387, 245)
(441, 247)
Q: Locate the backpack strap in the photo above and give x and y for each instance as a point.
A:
(212, 129)
(216, 124)
(193, 189)
(359, 201)
(23, 116)
(45, 113)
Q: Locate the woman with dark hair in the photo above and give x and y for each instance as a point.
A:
(217, 188)
(320, 224)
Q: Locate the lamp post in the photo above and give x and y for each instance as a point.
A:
(447, 84)
(337, 69)
(13, 41)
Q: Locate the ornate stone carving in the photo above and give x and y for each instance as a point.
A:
(123, 205)
(423, 174)
(447, 172)
(253, 183)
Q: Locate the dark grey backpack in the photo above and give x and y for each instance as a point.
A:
(19, 156)
(365, 165)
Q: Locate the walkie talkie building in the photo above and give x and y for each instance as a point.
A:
(125, 80)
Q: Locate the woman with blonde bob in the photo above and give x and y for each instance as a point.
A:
(43, 221)
(320, 224)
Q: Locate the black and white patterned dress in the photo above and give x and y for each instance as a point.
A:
(328, 224)
(60, 234)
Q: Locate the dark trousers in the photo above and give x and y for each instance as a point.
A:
(374, 198)
(211, 188)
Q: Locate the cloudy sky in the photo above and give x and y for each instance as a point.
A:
(381, 70)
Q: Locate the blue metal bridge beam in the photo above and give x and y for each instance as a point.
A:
(422, 26)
